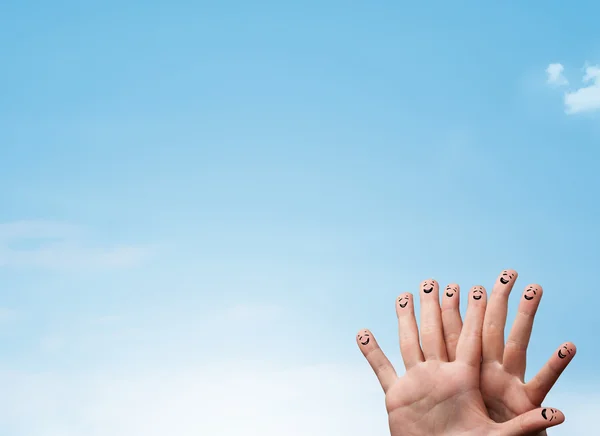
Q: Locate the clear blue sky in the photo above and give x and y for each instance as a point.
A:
(163, 162)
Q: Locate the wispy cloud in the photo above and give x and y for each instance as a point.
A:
(586, 98)
(54, 245)
(231, 399)
(555, 75)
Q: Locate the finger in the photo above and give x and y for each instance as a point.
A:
(533, 422)
(432, 335)
(495, 316)
(451, 320)
(408, 331)
(385, 372)
(468, 349)
(515, 352)
(539, 386)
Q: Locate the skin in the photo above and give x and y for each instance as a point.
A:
(403, 300)
(437, 396)
(451, 290)
(451, 319)
(504, 391)
(565, 351)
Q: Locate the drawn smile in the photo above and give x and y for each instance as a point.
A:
(564, 354)
(364, 338)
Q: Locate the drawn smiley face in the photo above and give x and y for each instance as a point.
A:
(549, 414)
(428, 285)
(531, 291)
(403, 301)
(506, 277)
(477, 292)
(564, 351)
(364, 337)
(451, 290)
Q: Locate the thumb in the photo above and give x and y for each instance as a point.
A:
(533, 421)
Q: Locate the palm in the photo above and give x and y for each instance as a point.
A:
(504, 394)
(444, 396)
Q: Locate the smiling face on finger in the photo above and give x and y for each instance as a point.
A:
(451, 290)
(565, 351)
(427, 286)
(549, 414)
(403, 300)
(364, 337)
(531, 292)
(507, 276)
(477, 292)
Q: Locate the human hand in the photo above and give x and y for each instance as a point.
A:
(437, 396)
(504, 391)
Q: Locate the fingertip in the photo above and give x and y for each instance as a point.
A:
(552, 416)
(507, 278)
(451, 290)
(477, 294)
(566, 351)
(429, 287)
(404, 303)
(533, 292)
(451, 296)
(535, 421)
(361, 333)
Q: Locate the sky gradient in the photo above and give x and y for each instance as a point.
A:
(203, 203)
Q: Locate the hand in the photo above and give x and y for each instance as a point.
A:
(504, 391)
(436, 396)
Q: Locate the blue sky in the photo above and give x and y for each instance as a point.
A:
(190, 185)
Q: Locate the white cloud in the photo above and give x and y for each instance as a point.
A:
(555, 75)
(231, 399)
(52, 245)
(586, 98)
